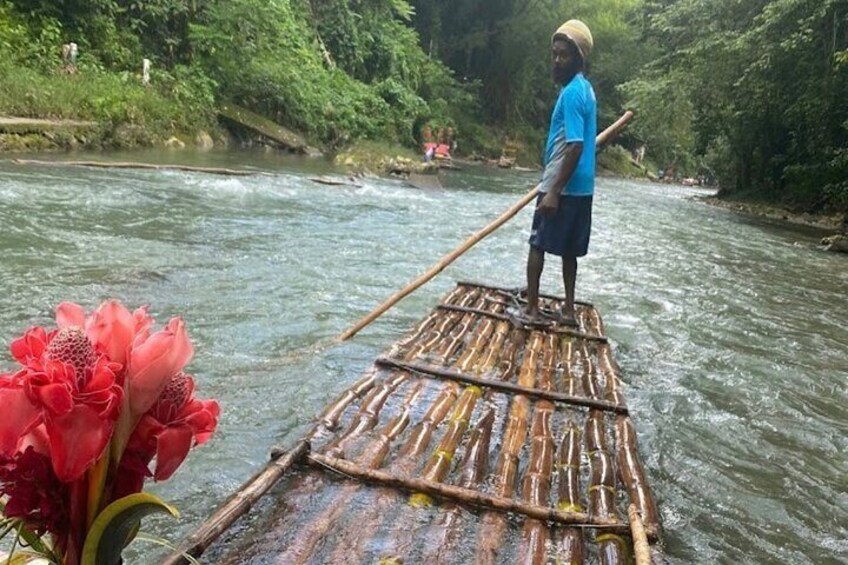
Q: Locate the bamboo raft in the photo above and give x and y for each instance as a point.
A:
(471, 440)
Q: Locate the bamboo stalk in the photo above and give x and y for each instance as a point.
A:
(304, 543)
(440, 461)
(594, 321)
(570, 543)
(549, 361)
(476, 347)
(454, 340)
(641, 549)
(438, 465)
(463, 495)
(633, 476)
(452, 375)
(462, 291)
(442, 328)
(415, 445)
(129, 165)
(570, 382)
(602, 138)
(475, 465)
(500, 355)
(612, 132)
(401, 347)
(612, 383)
(611, 547)
(494, 526)
(237, 505)
(590, 377)
(537, 483)
(368, 415)
(330, 418)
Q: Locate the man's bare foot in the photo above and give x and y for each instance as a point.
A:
(567, 318)
(529, 317)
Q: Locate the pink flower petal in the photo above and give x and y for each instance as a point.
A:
(143, 323)
(153, 362)
(111, 329)
(70, 314)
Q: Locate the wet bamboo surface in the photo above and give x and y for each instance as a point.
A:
(530, 458)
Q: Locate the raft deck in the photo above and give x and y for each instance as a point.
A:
(472, 440)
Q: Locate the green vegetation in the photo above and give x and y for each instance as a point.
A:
(335, 70)
(751, 94)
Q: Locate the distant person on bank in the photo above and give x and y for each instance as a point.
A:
(563, 219)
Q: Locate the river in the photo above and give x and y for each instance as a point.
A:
(731, 331)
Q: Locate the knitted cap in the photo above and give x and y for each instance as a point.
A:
(579, 33)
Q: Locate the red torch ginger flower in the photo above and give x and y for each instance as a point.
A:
(172, 425)
(79, 397)
(125, 338)
(153, 361)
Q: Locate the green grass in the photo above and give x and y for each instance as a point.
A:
(116, 101)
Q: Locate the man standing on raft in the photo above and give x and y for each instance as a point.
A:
(563, 218)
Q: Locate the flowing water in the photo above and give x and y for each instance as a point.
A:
(731, 331)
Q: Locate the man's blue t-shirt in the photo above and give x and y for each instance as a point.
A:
(575, 119)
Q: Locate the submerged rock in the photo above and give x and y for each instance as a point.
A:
(837, 243)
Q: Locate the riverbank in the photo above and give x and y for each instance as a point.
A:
(829, 222)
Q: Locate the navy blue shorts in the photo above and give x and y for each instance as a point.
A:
(566, 233)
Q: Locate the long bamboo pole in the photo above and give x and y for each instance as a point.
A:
(453, 375)
(465, 495)
(603, 138)
(641, 549)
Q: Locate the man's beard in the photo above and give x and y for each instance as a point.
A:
(563, 74)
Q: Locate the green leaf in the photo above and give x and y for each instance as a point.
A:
(114, 528)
